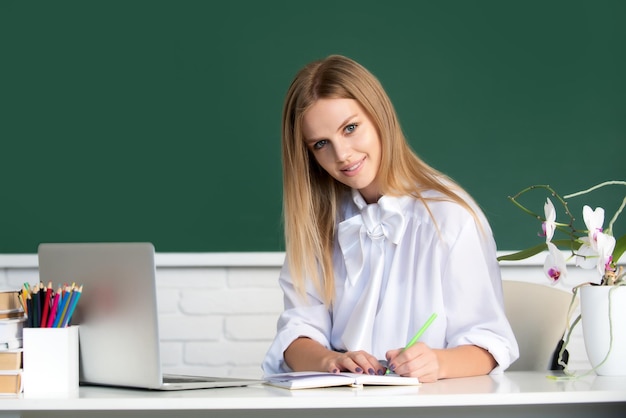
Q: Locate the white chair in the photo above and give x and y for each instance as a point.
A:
(538, 315)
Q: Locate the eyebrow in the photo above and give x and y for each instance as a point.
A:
(341, 125)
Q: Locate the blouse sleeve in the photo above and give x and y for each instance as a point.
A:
(473, 296)
(304, 316)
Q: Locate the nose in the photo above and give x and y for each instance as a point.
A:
(343, 151)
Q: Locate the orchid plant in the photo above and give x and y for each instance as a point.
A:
(593, 247)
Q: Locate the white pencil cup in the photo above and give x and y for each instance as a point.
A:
(50, 361)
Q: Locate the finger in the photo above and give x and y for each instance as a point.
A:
(359, 362)
(420, 363)
(393, 359)
(380, 367)
(375, 366)
(346, 363)
(366, 363)
(405, 361)
(413, 352)
(392, 354)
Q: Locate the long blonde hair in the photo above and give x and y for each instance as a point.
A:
(311, 197)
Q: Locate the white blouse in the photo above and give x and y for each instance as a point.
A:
(394, 267)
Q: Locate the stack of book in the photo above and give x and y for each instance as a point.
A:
(12, 320)
(11, 371)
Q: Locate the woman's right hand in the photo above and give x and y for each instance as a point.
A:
(305, 354)
(355, 362)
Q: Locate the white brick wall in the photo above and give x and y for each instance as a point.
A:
(217, 320)
(218, 312)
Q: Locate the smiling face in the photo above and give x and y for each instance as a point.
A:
(345, 143)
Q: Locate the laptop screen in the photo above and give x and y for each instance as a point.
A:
(117, 314)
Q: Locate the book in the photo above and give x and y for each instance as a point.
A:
(11, 372)
(10, 300)
(10, 382)
(10, 304)
(11, 314)
(11, 333)
(10, 359)
(310, 380)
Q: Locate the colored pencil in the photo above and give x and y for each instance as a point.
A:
(46, 305)
(29, 317)
(63, 307)
(23, 300)
(36, 307)
(54, 308)
(70, 311)
(418, 334)
(421, 330)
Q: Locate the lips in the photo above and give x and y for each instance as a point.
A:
(354, 168)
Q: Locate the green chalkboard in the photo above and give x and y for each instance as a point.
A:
(160, 120)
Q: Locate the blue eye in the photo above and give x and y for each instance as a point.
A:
(350, 128)
(320, 144)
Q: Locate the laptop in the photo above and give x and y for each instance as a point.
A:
(117, 315)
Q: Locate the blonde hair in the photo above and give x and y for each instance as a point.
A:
(311, 197)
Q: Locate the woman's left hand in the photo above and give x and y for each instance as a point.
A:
(419, 361)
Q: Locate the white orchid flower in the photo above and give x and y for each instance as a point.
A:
(597, 247)
(549, 225)
(593, 220)
(554, 266)
(586, 256)
(606, 245)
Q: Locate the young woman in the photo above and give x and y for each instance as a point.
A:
(376, 242)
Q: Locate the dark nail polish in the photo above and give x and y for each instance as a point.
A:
(371, 371)
(358, 370)
(381, 372)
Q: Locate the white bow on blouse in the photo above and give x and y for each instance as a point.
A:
(362, 240)
(378, 221)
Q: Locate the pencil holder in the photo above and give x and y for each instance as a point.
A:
(50, 361)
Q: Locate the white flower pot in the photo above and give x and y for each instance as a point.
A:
(594, 308)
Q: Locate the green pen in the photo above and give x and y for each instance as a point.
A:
(418, 334)
(421, 330)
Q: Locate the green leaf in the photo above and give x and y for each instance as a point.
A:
(567, 244)
(529, 252)
(520, 255)
(620, 247)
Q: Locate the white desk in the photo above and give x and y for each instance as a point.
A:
(514, 394)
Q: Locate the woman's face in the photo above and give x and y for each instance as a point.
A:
(345, 143)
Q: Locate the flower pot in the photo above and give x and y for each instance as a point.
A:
(596, 323)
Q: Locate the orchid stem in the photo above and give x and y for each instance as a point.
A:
(597, 186)
(614, 218)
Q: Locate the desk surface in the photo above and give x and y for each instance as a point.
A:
(529, 389)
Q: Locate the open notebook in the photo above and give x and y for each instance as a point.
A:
(117, 314)
(310, 380)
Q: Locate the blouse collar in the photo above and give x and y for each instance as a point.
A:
(375, 223)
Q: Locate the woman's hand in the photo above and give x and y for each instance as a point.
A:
(355, 362)
(429, 364)
(419, 361)
(306, 354)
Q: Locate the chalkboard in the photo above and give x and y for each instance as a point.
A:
(160, 120)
